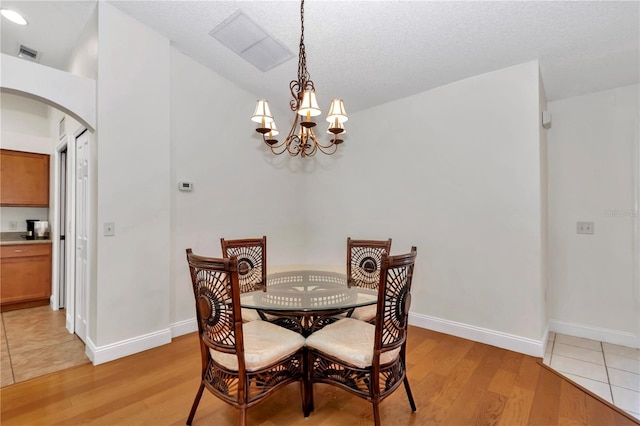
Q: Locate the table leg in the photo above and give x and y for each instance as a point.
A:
(307, 385)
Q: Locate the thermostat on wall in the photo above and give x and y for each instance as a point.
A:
(185, 186)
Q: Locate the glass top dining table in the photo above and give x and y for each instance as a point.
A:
(306, 301)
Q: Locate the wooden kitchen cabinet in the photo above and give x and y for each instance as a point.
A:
(24, 179)
(25, 275)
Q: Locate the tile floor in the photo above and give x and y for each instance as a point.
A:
(610, 371)
(35, 342)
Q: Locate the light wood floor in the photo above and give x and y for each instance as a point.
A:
(454, 382)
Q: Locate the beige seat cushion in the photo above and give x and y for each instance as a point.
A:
(351, 341)
(249, 314)
(264, 344)
(363, 313)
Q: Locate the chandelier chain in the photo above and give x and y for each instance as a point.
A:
(301, 139)
(303, 74)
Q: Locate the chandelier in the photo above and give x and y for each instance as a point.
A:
(301, 139)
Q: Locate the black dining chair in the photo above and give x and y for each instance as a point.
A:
(364, 359)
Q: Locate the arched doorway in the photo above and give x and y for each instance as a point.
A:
(73, 100)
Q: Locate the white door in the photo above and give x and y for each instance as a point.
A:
(70, 239)
(82, 233)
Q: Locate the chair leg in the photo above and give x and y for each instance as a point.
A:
(242, 418)
(196, 401)
(376, 413)
(307, 384)
(305, 395)
(409, 395)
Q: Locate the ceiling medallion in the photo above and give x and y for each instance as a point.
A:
(301, 139)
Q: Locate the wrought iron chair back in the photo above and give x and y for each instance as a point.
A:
(252, 261)
(394, 300)
(216, 288)
(216, 291)
(364, 258)
(344, 364)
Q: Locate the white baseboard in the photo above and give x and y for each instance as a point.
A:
(89, 349)
(615, 337)
(113, 351)
(483, 335)
(184, 327)
(101, 354)
(545, 340)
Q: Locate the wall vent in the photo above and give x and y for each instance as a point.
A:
(27, 53)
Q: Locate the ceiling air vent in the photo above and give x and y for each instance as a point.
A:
(242, 35)
(27, 53)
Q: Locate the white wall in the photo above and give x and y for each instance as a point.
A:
(592, 145)
(84, 58)
(83, 63)
(24, 127)
(70, 93)
(456, 172)
(25, 122)
(240, 190)
(133, 181)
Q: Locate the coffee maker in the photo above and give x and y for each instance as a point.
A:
(31, 232)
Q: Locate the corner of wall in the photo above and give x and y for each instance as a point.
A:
(544, 206)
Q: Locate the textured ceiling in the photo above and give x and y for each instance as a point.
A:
(372, 52)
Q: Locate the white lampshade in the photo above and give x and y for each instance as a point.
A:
(337, 111)
(262, 114)
(273, 131)
(309, 105)
(336, 128)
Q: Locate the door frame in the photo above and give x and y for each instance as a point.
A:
(636, 225)
(68, 142)
(55, 224)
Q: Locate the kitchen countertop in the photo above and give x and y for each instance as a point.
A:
(11, 238)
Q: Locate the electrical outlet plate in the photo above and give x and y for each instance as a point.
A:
(585, 228)
(13, 225)
(109, 229)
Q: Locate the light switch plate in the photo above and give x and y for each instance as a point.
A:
(109, 229)
(585, 228)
